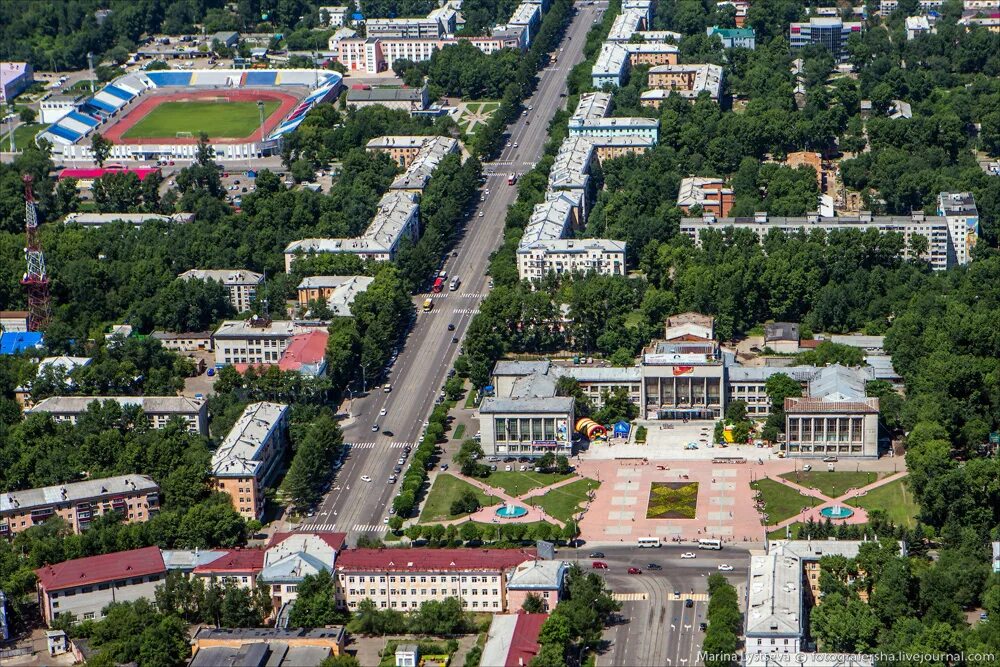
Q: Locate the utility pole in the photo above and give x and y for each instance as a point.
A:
(90, 70)
(13, 143)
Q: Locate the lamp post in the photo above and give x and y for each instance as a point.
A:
(13, 144)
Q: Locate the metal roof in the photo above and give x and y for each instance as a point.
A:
(75, 492)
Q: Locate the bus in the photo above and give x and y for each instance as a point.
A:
(709, 544)
(438, 285)
(428, 305)
(651, 542)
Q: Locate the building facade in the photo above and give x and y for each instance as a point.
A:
(136, 498)
(290, 557)
(256, 340)
(711, 195)
(734, 38)
(159, 410)
(829, 32)
(527, 426)
(403, 579)
(688, 81)
(241, 285)
(959, 209)
(249, 456)
(85, 586)
(338, 292)
(15, 78)
(836, 419)
(602, 256)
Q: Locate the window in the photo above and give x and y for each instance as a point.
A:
(87, 615)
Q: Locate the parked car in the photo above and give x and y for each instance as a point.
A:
(451, 327)
(508, 468)
(830, 459)
(596, 554)
(689, 603)
(444, 466)
(703, 627)
(688, 554)
(653, 566)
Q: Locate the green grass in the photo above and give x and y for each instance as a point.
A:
(470, 400)
(459, 432)
(894, 499)
(831, 483)
(220, 120)
(23, 135)
(446, 489)
(780, 501)
(517, 483)
(672, 500)
(779, 533)
(563, 503)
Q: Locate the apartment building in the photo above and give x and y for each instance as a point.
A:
(614, 147)
(240, 567)
(651, 53)
(627, 24)
(688, 81)
(241, 285)
(95, 220)
(403, 149)
(192, 341)
(710, 195)
(571, 169)
(836, 419)
(959, 209)
(335, 15)
(829, 32)
(603, 256)
(255, 341)
(159, 410)
(611, 67)
(886, 7)
(422, 167)
(942, 238)
(403, 579)
(249, 456)
(134, 497)
(610, 126)
(734, 38)
(550, 220)
(917, 26)
(528, 17)
(542, 578)
(338, 292)
(83, 587)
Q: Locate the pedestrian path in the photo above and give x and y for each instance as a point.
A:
(859, 516)
(630, 597)
(357, 528)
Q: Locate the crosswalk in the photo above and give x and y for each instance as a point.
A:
(358, 527)
(630, 597)
(466, 311)
(457, 295)
(371, 445)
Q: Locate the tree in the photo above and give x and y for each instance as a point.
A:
(100, 148)
(342, 660)
(312, 463)
(27, 115)
(736, 411)
(467, 503)
(533, 604)
(316, 605)
(844, 625)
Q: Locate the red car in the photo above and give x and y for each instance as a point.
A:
(599, 565)
(634, 570)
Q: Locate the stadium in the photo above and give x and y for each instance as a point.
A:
(158, 115)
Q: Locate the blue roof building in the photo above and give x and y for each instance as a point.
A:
(16, 342)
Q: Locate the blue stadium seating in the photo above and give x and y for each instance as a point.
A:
(260, 79)
(165, 78)
(102, 106)
(118, 92)
(83, 118)
(63, 132)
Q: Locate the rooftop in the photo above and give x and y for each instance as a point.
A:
(838, 383)
(625, 25)
(432, 560)
(234, 560)
(224, 276)
(512, 640)
(781, 331)
(258, 327)
(537, 574)
(593, 105)
(98, 569)
(549, 221)
(149, 404)
(76, 491)
(572, 162)
(611, 60)
(237, 455)
(696, 190)
(574, 246)
(547, 405)
(385, 94)
(516, 368)
(308, 349)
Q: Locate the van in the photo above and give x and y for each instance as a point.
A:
(387, 388)
(599, 565)
(428, 305)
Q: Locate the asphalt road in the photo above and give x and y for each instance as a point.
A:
(359, 507)
(657, 628)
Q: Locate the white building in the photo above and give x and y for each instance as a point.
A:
(611, 67)
(959, 209)
(159, 410)
(289, 557)
(603, 256)
(942, 238)
(918, 25)
(411, 28)
(136, 219)
(605, 128)
(734, 38)
(56, 107)
(241, 285)
(335, 16)
(256, 340)
(625, 25)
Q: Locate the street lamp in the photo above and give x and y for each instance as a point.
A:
(13, 144)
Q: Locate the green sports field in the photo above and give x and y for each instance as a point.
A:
(220, 120)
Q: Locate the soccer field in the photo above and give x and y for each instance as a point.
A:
(220, 120)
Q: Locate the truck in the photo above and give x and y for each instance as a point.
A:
(438, 285)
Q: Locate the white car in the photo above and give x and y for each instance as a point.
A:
(688, 554)
(725, 567)
(480, 214)
(508, 468)
(374, 427)
(385, 520)
(383, 412)
(366, 478)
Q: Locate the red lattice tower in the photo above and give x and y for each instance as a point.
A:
(35, 281)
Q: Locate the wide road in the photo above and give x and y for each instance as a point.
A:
(657, 628)
(360, 507)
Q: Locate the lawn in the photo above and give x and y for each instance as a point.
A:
(780, 501)
(564, 502)
(830, 483)
(672, 500)
(894, 499)
(23, 135)
(459, 432)
(516, 483)
(446, 489)
(232, 120)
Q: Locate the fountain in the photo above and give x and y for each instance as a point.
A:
(510, 511)
(837, 512)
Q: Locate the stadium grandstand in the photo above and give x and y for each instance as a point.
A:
(116, 100)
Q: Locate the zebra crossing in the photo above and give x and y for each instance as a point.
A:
(466, 311)
(630, 597)
(371, 445)
(358, 527)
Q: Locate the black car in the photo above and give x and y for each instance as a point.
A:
(689, 603)
(653, 566)
(596, 554)
(703, 627)
(451, 327)
(398, 469)
(388, 433)
(454, 339)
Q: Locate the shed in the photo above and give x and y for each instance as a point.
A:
(622, 429)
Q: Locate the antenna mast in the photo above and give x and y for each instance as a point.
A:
(35, 281)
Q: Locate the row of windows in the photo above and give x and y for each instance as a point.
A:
(420, 591)
(288, 588)
(423, 579)
(102, 587)
(403, 604)
(526, 430)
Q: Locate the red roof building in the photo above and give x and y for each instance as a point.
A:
(513, 640)
(306, 353)
(94, 174)
(240, 566)
(85, 586)
(403, 579)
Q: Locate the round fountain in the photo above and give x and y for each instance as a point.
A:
(837, 512)
(509, 511)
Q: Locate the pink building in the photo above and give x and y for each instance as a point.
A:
(544, 578)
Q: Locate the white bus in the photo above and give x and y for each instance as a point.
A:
(649, 542)
(709, 544)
